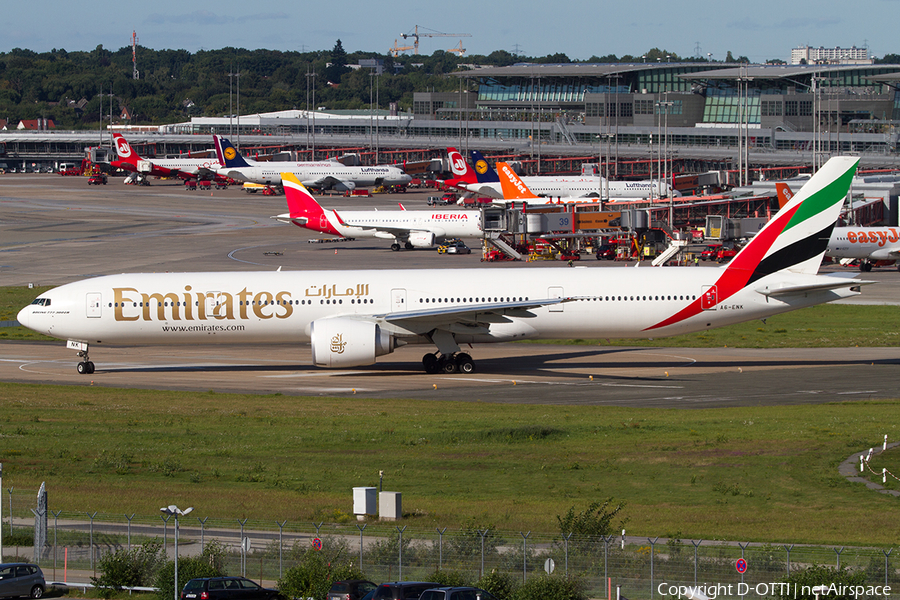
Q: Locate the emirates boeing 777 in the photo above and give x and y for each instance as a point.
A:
(351, 317)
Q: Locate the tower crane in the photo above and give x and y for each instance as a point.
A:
(426, 33)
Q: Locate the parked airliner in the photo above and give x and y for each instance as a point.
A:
(185, 168)
(351, 317)
(411, 228)
(480, 178)
(327, 174)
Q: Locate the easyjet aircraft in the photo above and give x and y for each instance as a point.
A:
(351, 317)
(411, 228)
(868, 245)
(185, 168)
(323, 174)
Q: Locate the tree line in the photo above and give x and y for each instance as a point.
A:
(78, 90)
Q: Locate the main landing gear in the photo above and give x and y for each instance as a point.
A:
(448, 363)
(396, 246)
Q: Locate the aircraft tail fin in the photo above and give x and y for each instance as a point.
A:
(460, 168)
(300, 202)
(513, 187)
(483, 170)
(126, 153)
(797, 237)
(228, 155)
(784, 193)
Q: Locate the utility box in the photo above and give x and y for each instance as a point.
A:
(364, 502)
(389, 506)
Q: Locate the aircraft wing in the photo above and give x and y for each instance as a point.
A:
(473, 318)
(324, 182)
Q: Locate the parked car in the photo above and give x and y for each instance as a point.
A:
(97, 179)
(605, 252)
(402, 590)
(21, 579)
(456, 593)
(353, 589)
(226, 588)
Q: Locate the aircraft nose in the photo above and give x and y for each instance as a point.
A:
(24, 316)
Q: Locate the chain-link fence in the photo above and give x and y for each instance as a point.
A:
(644, 568)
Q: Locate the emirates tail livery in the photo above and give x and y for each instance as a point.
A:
(326, 174)
(412, 228)
(351, 317)
(868, 245)
(185, 168)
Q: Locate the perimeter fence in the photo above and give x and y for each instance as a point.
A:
(644, 568)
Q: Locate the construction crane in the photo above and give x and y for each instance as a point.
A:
(395, 50)
(459, 51)
(429, 33)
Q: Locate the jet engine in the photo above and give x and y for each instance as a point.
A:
(341, 342)
(421, 239)
(344, 186)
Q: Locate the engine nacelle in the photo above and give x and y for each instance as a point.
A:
(344, 186)
(421, 239)
(342, 342)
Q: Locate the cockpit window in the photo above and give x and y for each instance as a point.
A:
(41, 302)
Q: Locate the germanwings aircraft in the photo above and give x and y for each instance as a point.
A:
(868, 245)
(351, 317)
(412, 228)
(185, 168)
(484, 180)
(328, 174)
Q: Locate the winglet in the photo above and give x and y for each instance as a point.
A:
(513, 187)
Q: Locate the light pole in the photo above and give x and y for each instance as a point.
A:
(173, 510)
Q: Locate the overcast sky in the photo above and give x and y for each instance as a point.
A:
(760, 30)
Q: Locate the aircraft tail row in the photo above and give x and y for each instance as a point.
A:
(228, 155)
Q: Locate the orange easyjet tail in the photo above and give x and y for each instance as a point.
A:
(512, 187)
(784, 193)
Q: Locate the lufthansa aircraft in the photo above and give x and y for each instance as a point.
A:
(351, 317)
(412, 228)
(327, 174)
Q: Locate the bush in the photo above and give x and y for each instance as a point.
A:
(135, 567)
(312, 577)
(548, 587)
(448, 579)
(500, 585)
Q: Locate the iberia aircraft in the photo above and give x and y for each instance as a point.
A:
(185, 168)
(481, 179)
(323, 174)
(865, 244)
(412, 228)
(351, 317)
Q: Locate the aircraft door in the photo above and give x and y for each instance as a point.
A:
(555, 292)
(212, 303)
(709, 297)
(94, 303)
(398, 300)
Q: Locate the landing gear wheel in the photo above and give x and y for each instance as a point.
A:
(431, 364)
(83, 368)
(395, 247)
(448, 365)
(90, 366)
(408, 245)
(865, 267)
(464, 363)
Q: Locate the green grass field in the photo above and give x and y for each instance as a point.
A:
(755, 474)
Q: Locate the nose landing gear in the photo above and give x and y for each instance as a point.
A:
(85, 367)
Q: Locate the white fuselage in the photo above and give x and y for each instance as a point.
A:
(281, 307)
(870, 243)
(576, 187)
(442, 224)
(318, 174)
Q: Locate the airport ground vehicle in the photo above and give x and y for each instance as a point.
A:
(448, 198)
(456, 593)
(454, 247)
(97, 179)
(21, 579)
(710, 252)
(226, 588)
(353, 589)
(725, 254)
(605, 252)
